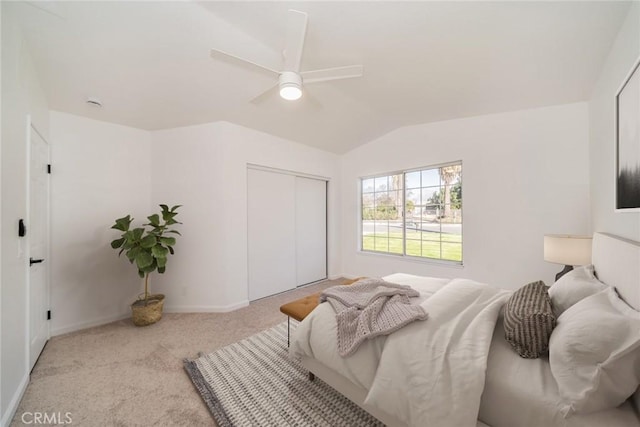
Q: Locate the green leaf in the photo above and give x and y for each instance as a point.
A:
(121, 250)
(164, 208)
(143, 260)
(148, 241)
(141, 273)
(173, 209)
(154, 220)
(151, 267)
(171, 251)
(166, 215)
(137, 233)
(133, 252)
(174, 231)
(159, 251)
(161, 261)
(117, 243)
(169, 241)
(123, 223)
(161, 270)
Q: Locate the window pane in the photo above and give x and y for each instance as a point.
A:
(431, 195)
(431, 249)
(412, 197)
(430, 178)
(414, 248)
(381, 183)
(395, 228)
(452, 251)
(451, 215)
(385, 206)
(451, 237)
(396, 197)
(381, 228)
(367, 185)
(395, 182)
(367, 199)
(431, 213)
(382, 245)
(368, 242)
(368, 213)
(433, 234)
(395, 246)
(413, 233)
(412, 180)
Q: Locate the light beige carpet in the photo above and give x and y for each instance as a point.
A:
(122, 375)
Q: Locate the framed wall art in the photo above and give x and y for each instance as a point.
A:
(627, 150)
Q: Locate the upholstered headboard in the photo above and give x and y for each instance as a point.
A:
(617, 263)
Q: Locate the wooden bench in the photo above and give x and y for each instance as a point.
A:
(300, 308)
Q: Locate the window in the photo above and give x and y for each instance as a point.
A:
(416, 213)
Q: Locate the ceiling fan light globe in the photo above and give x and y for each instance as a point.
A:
(290, 91)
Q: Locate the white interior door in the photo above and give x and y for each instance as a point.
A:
(271, 233)
(37, 235)
(311, 230)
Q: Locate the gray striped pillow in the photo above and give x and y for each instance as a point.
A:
(529, 320)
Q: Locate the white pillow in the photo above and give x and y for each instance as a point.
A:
(577, 284)
(594, 353)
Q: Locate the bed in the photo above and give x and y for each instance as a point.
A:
(514, 392)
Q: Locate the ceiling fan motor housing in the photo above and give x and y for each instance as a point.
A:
(290, 84)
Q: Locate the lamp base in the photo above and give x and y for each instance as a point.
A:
(567, 268)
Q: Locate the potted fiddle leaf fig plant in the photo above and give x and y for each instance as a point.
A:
(148, 247)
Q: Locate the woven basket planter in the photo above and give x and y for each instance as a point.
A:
(149, 311)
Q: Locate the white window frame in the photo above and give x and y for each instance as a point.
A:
(404, 255)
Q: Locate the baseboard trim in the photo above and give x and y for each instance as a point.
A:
(15, 402)
(205, 308)
(89, 324)
(167, 309)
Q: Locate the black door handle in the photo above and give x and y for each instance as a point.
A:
(35, 261)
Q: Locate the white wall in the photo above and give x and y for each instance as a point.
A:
(21, 95)
(204, 168)
(624, 52)
(525, 174)
(101, 172)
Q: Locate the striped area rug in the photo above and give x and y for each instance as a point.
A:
(254, 383)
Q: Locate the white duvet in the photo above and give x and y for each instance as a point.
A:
(429, 373)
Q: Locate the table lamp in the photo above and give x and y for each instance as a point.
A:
(567, 250)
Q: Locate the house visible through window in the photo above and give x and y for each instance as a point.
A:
(415, 213)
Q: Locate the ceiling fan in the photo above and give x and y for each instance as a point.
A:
(290, 78)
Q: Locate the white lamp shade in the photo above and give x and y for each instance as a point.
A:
(567, 250)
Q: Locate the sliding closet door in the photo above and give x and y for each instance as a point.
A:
(311, 230)
(271, 232)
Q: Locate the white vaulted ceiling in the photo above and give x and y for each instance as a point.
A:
(149, 62)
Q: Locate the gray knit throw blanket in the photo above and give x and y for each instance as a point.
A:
(369, 308)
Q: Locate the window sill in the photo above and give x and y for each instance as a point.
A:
(440, 263)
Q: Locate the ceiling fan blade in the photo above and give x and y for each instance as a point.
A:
(296, 32)
(311, 100)
(265, 95)
(336, 73)
(236, 60)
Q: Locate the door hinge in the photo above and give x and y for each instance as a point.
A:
(49, 168)
(48, 314)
